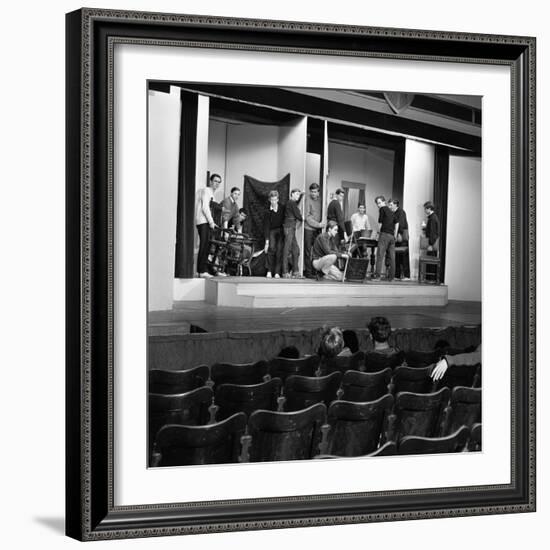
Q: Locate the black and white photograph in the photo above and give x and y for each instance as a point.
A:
(314, 273)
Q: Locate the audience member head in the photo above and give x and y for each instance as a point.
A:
(314, 191)
(215, 181)
(332, 228)
(441, 345)
(290, 352)
(380, 330)
(351, 341)
(332, 342)
(380, 201)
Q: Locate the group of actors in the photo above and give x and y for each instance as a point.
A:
(324, 242)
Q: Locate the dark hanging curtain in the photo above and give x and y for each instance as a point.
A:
(441, 195)
(256, 202)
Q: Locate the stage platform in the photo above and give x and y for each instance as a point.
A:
(259, 292)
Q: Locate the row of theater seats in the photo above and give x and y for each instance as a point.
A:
(179, 381)
(410, 423)
(366, 409)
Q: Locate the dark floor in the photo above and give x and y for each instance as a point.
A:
(216, 318)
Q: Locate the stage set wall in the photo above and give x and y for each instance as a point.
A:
(418, 188)
(163, 148)
(464, 226)
(371, 166)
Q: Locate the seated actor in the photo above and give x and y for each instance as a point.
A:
(230, 209)
(236, 224)
(325, 253)
(293, 216)
(274, 236)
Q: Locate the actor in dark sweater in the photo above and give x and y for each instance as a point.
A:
(402, 263)
(386, 239)
(335, 213)
(432, 229)
(292, 217)
(325, 253)
(273, 233)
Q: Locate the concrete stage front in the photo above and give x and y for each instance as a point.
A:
(259, 292)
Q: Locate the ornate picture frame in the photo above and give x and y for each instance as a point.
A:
(90, 365)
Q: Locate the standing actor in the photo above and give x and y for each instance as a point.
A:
(432, 229)
(293, 216)
(230, 209)
(335, 212)
(312, 226)
(273, 232)
(325, 253)
(205, 223)
(386, 240)
(402, 264)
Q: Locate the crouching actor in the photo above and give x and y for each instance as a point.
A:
(325, 253)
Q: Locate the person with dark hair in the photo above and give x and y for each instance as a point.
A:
(274, 236)
(402, 264)
(351, 341)
(325, 253)
(289, 352)
(386, 240)
(230, 209)
(312, 226)
(335, 213)
(432, 229)
(380, 331)
(205, 223)
(293, 216)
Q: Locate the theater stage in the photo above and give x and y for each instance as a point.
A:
(259, 292)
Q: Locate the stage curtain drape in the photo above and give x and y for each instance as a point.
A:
(256, 202)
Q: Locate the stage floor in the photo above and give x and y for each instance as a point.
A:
(214, 318)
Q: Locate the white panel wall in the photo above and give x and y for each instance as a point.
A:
(463, 258)
(251, 150)
(418, 188)
(164, 125)
(217, 142)
(358, 164)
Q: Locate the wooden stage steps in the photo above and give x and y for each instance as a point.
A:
(259, 292)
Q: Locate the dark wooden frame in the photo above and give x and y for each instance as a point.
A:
(91, 514)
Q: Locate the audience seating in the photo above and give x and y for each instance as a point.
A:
(233, 398)
(365, 386)
(218, 443)
(354, 429)
(465, 408)
(418, 414)
(285, 435)
(280, 367)
(375, 361)
(412, 379)
(239, 373)
(461, 375)
(475, 438)
(301, 392)
(177, 381)
(453, 443)
(422, 358)
(343, 364)
(190, 408)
